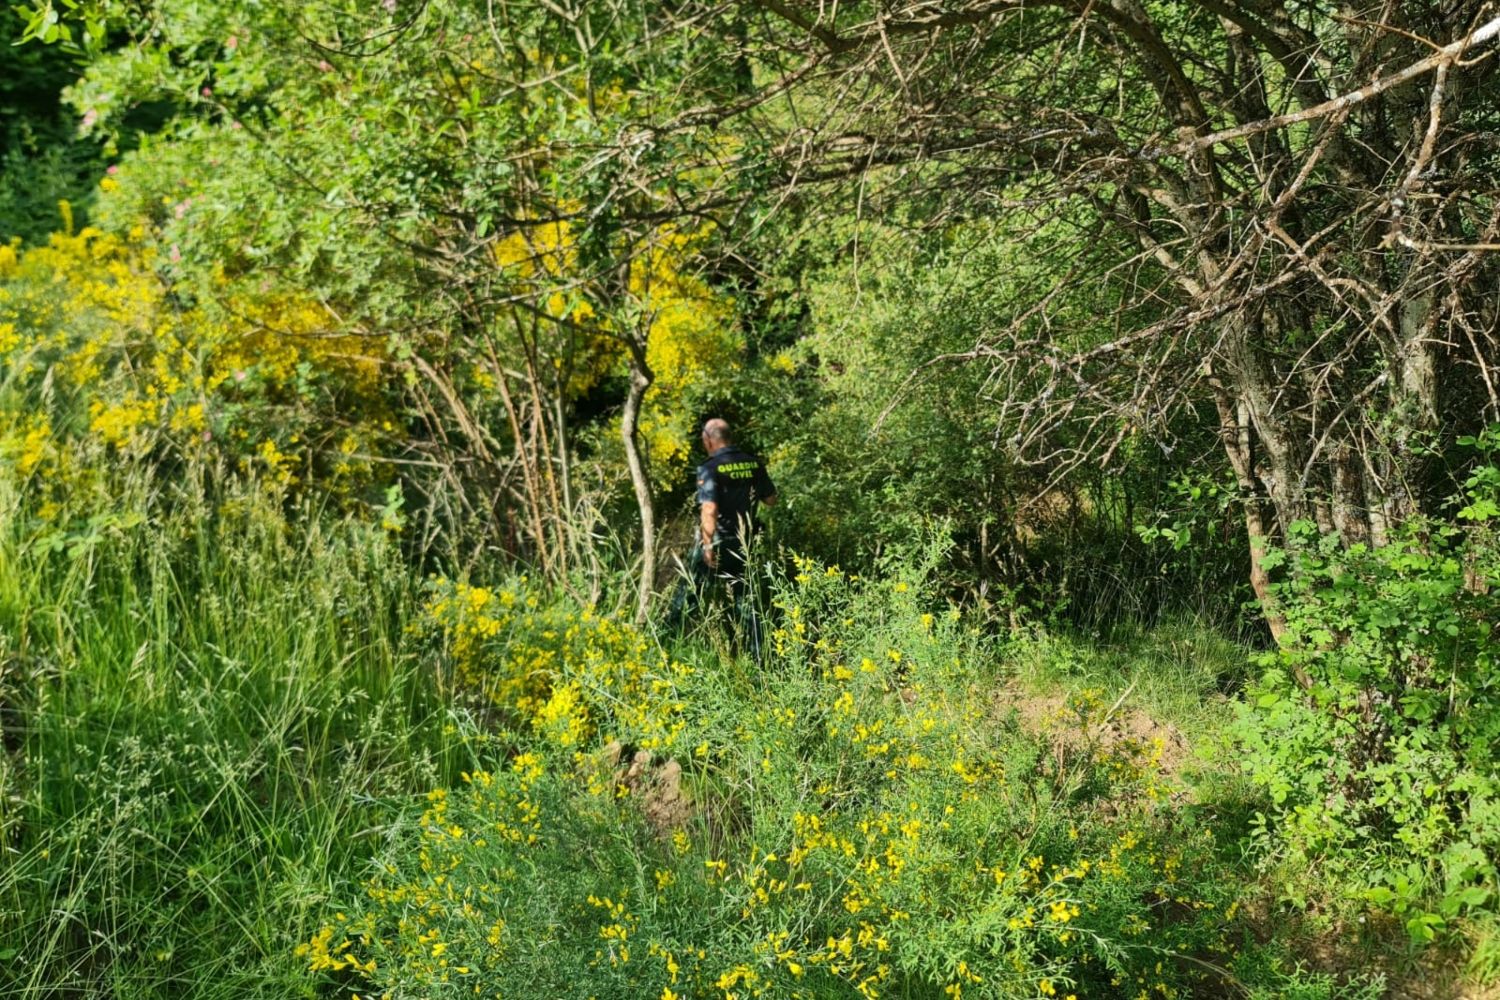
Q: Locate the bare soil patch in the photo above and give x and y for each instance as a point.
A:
(655, 785)
(1070, 723)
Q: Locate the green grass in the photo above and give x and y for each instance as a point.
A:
(214, 721)
(211, 720)
(1181, 672)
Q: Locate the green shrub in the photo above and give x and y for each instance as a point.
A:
(1372, 730)
(857, 817)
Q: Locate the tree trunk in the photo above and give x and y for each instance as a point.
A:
(640, 380)
(1235, 435)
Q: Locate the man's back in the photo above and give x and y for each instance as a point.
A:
(737, 482)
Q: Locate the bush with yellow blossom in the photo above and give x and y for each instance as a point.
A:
(104, 361)
(866, 821)
(570, 678)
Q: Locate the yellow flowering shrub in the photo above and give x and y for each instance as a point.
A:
(541, 263)
(692, 346)
(569, 676)
(690, 327)
(862, 823)
(102, 358)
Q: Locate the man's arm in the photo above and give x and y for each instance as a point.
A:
(708, 514)
(765, 490)
(708, 523)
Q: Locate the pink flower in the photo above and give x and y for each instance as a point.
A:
(324, 65)
(207, 92)
(234, 125)
(114, 168)
(208, 436)
(240, 374)
(175, 255)
(231, 43)
(89, 117)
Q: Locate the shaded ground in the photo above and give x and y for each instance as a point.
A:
(1116, 723)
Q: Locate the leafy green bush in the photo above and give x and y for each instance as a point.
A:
(43, 160)
(1372, 730)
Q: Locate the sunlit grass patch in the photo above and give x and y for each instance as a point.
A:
(209, 721)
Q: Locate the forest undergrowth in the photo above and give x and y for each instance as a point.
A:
(252, 754)
(1129, 591)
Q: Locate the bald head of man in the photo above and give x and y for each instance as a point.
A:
(716, 435)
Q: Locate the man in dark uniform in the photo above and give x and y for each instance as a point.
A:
(732, 485)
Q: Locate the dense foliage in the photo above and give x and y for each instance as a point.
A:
(1372, 728)
(43, 160)
(1129, 602)
(872, 825)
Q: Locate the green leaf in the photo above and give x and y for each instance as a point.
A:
(1482, 509)
(1423, 927)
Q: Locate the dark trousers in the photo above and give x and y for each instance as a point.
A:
(704, 585)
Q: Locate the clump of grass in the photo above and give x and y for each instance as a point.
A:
(1484, 955)
(1178, 672)
(209, 720)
